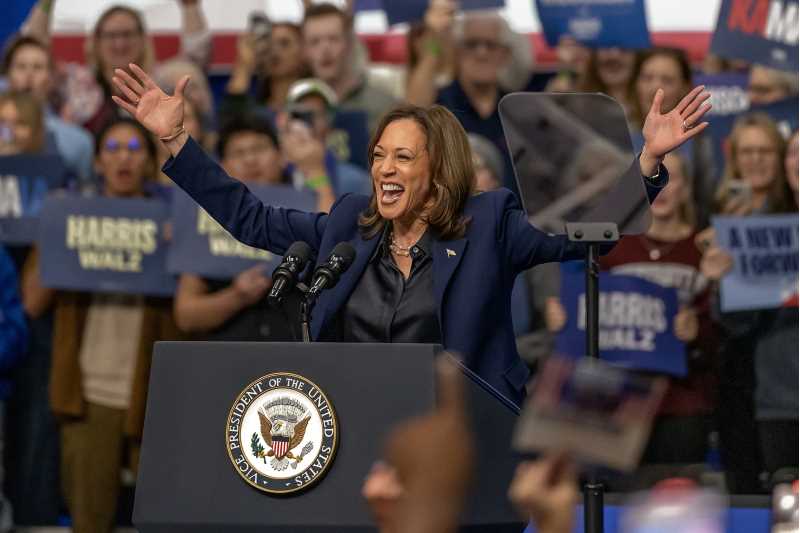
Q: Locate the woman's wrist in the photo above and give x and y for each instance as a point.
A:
(649, 164)
(176, 140)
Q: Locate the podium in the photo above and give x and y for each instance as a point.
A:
(187, 481)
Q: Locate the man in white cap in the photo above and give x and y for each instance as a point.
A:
(305, 125)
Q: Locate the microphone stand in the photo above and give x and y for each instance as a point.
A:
(305, 312)
(593, 234)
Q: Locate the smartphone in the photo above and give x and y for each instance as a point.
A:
(304, 116)
(741, 190)
(259, 26)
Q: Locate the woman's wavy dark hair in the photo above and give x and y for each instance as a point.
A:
(451, 171)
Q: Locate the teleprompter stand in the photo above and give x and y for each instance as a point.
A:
(593, 234)
(576, 171)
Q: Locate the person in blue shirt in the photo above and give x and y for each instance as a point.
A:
(13, 342)
(28, 66)
(434, 263)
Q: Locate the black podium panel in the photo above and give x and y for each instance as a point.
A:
(188, 483)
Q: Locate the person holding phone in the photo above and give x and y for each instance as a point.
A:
(758, 375)
(305, 126)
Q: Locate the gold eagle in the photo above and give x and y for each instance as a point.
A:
(299, 431)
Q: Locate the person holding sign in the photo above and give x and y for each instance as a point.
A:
(102, 344)
(411, 236)
(667, 255)
(758, 382)
(236, 310)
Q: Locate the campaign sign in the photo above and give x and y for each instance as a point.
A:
(595, 23)
(636, 322)
(25, 181)
(105, 245)
(728, 92)
(764, 250)
(200, 245)
(758, 31)
(413, 10)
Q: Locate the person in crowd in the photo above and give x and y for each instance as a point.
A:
(28, 66)
(237, 310)
(610, 71)
(758, 382)
(573, 65)
(431, 54)
(666, 254)
(328, 41)
(31, 458)
(669, 69)
(276, 60)
(422, 179)
(13, 345)
(305, 126)
(766, 85)
(102, 348)
(119, 38)
(483, 48)
(21, 124)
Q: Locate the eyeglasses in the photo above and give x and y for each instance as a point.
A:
(472, 45)
(756, 151)
(113, 146)
(123, 35)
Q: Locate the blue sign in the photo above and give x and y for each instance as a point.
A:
(764, 250)
(728, 92)
(758, 31)
(636, 322)
(349, 137)
(201, 246)
(25, 181)
(414, 10)
(105, 245)
(595, 23)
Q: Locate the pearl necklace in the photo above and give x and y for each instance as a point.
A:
(398, 249)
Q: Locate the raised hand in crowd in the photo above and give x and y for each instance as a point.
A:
(546, 491)
(716, 262)
(432, 456)
(251, 285)
(663, 132)
(686, 325)
(245, 64)
(555, 317)
(157, 111)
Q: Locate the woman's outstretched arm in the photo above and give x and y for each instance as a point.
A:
(226, 199)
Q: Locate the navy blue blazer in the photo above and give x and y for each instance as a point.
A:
(472, 276)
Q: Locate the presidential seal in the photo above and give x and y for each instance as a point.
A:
(281, 433)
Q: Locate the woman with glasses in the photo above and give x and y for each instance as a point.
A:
(758, 382)
(119, 38)
(102, 345)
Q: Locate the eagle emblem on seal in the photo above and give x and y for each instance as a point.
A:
(283, 427)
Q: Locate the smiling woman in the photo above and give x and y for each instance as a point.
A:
(434, 262)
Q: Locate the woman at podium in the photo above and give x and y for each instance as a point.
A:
(435, 262)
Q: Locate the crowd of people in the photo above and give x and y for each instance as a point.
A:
(74, 365)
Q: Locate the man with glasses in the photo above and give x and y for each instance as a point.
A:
(482, 50)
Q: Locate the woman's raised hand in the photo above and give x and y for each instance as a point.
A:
(157, 111)
(663, 132)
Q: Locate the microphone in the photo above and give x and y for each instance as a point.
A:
(285, 276)
(327, 275)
